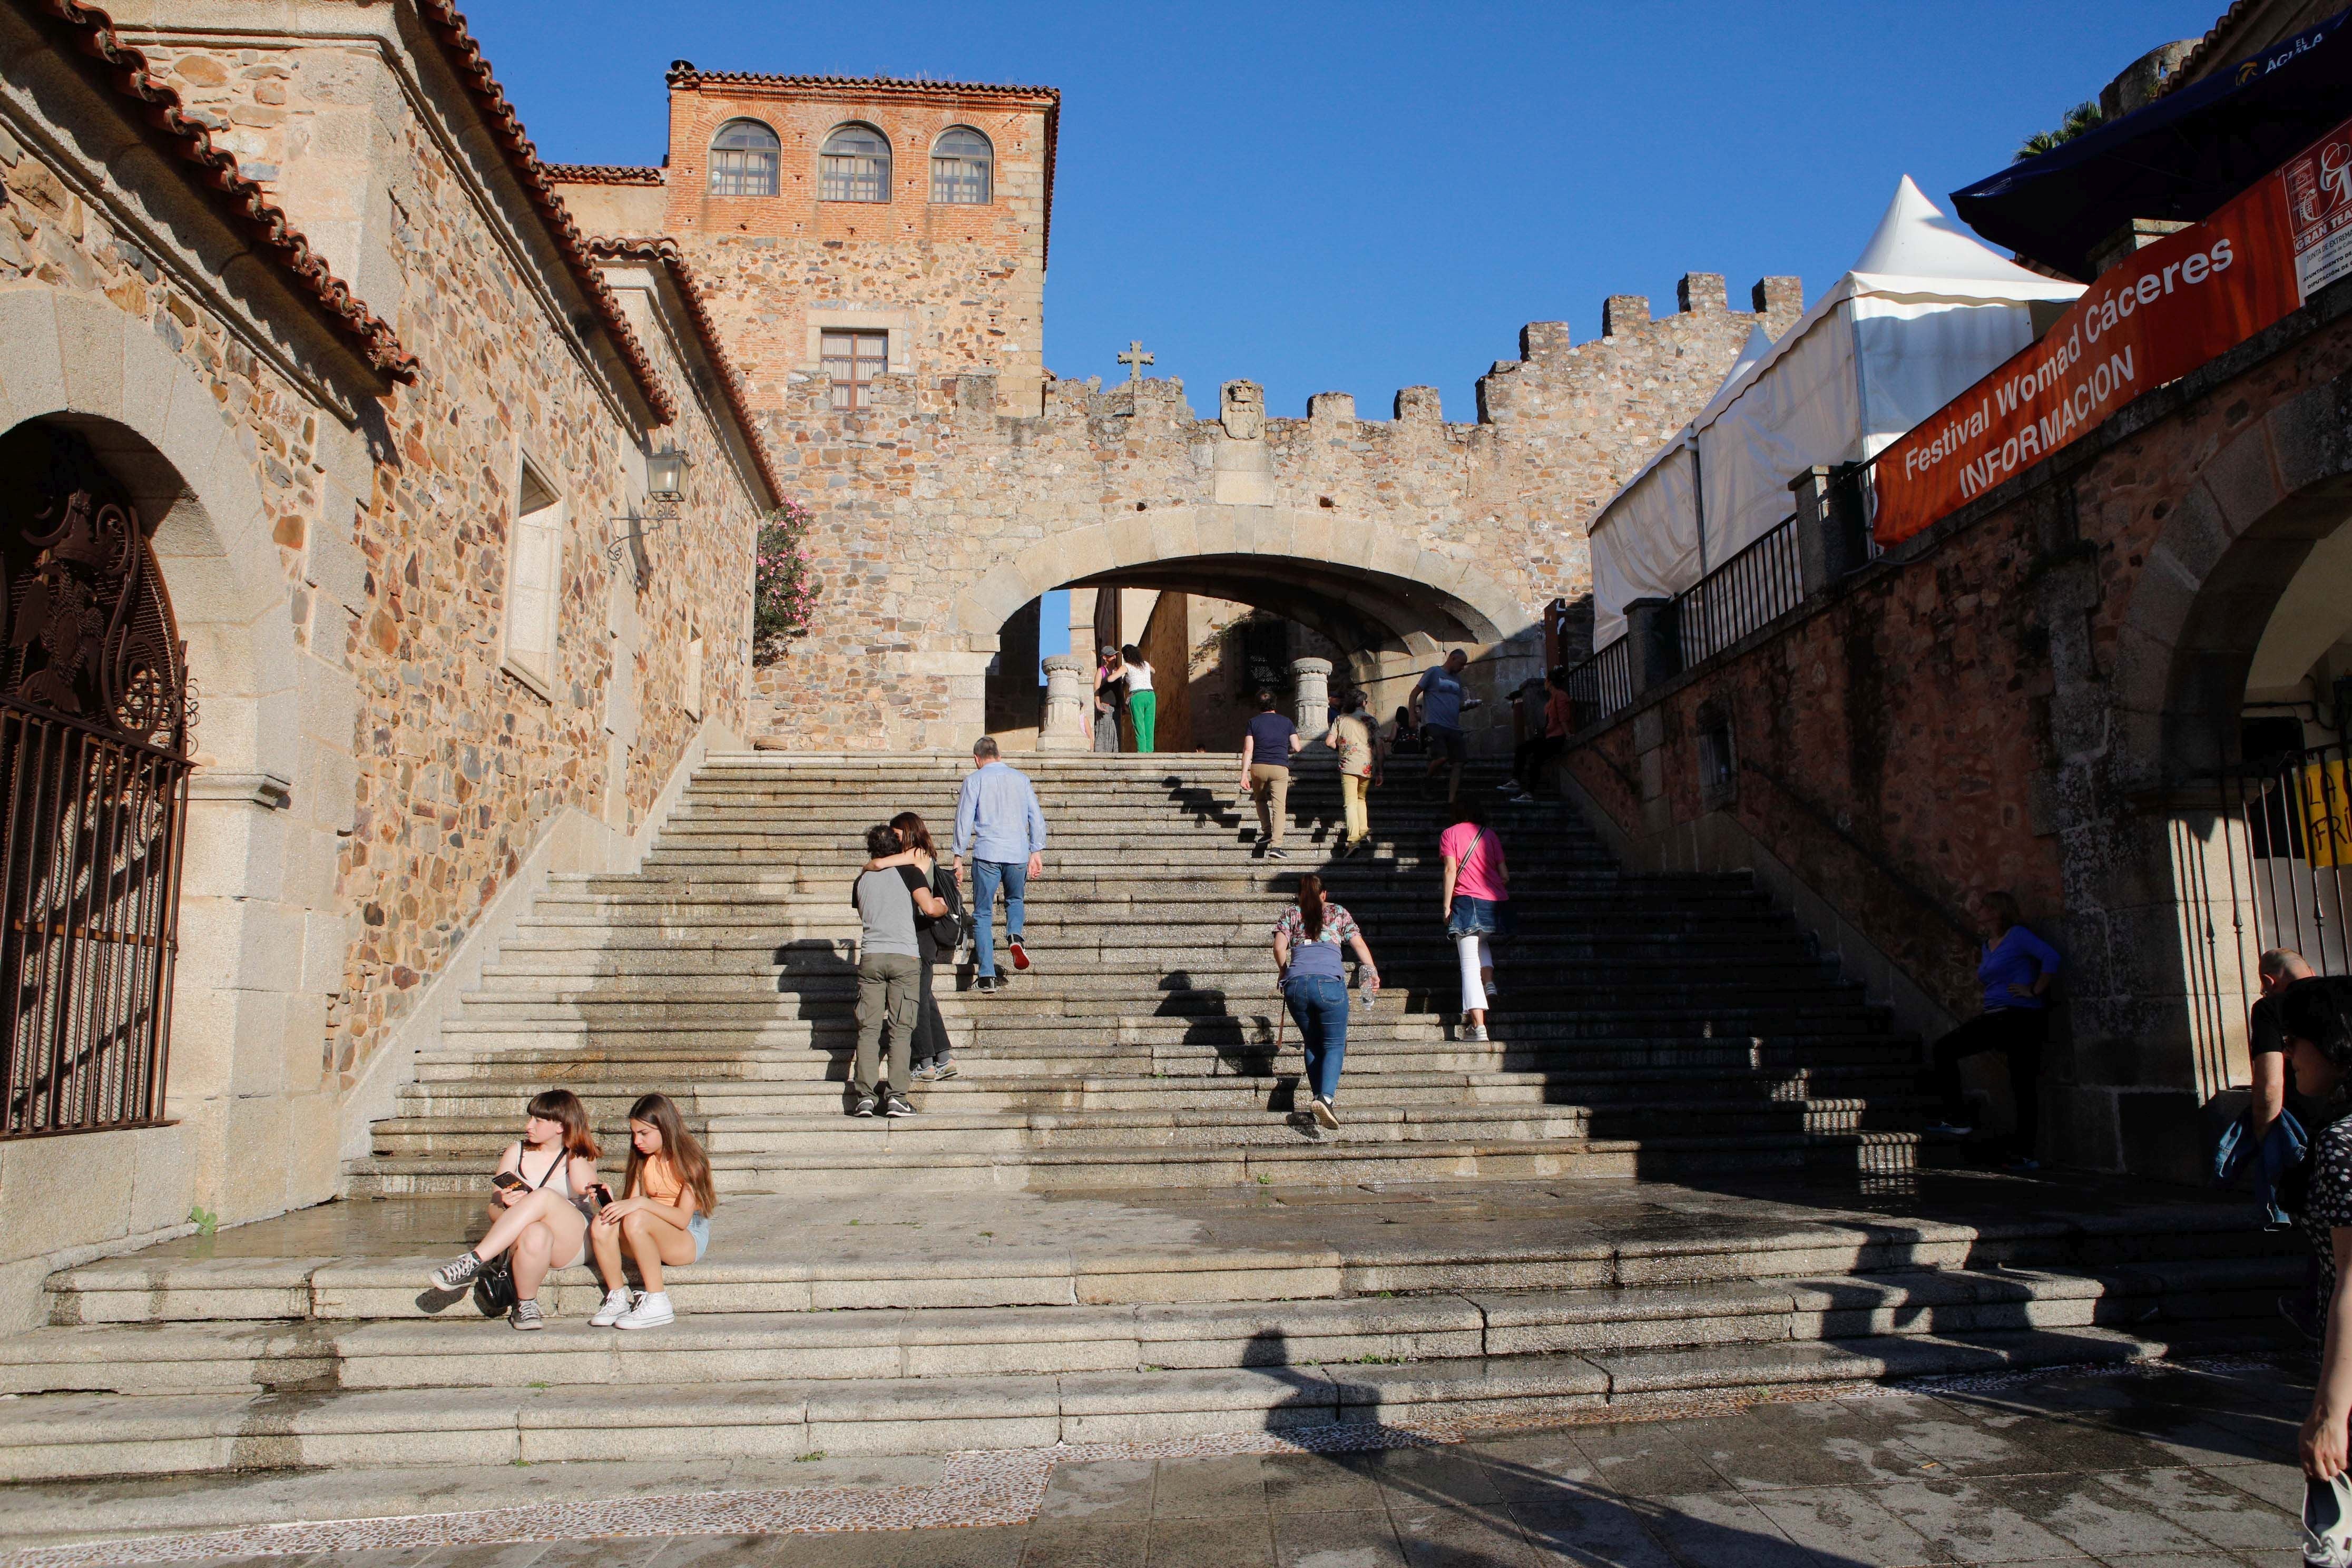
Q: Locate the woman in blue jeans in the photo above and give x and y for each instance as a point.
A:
(1307, 939)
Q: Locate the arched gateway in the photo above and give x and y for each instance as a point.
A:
(94, 762)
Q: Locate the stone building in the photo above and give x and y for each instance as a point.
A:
(288, 303)
(884, 300)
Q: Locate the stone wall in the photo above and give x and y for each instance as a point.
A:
(2024, 697)
(958, 287)
(371, 780)
(937, 516)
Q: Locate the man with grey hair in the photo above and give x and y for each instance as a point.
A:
(2277, 1130)
(1000, 825)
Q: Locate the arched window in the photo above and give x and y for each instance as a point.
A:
(743, 158)
(853, 165)
(962, 167)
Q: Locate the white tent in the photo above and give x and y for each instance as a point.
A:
(1925, 312)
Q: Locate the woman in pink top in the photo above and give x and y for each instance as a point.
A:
(1477, 899)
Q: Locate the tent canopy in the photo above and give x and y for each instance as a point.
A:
(2179, 158)
(1926, 310)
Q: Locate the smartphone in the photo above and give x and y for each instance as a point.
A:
(603, 1194)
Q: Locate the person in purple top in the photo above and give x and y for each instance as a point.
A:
(2015, 971)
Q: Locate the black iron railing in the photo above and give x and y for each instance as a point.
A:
(1744, 595)
(1601, 686)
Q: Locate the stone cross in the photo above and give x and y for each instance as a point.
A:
(1136, 359)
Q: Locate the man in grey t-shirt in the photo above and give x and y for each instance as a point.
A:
(889, 974)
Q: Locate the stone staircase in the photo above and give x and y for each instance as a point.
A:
(1110, 1227)
(1649, 1026)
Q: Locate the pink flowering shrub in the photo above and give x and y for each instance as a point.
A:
(785, 590)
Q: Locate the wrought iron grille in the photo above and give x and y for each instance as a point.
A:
(2264, 861)
(1744, 595)
(94, 719)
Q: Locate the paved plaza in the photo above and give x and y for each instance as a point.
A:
(2154, 1465)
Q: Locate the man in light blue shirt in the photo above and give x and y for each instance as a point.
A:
(998, 822)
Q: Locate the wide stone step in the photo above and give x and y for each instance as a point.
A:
(87, 1435)
(151, 1360)
(1298, 1161)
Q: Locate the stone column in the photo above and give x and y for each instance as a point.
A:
(1310, 701)
(1070, 682)
(1653, 642)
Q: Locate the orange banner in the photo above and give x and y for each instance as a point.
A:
(2150, 319)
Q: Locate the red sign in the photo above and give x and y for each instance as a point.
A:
(2151, 318)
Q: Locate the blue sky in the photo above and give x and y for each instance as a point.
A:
(1363, 196)
(1359, 198)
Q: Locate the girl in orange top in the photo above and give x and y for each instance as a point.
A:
(664, 1217)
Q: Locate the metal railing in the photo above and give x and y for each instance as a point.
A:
(2263, 856)
(1601, 686)
(89, 894)
(1747, 593)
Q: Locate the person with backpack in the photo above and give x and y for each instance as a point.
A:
(1308, 943)
(1477, 899)
(936, 938)
(889, 974)
(542, 1196)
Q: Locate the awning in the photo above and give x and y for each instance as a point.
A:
(2179, 158)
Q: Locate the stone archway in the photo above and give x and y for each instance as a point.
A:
(261, 939)
(1391, 605)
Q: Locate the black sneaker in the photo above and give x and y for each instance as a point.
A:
(458, 1275)
(987, 984)
(896, 1105)
(865, 1106)
(1271, 853)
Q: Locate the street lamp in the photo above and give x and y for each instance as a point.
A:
(664, 493)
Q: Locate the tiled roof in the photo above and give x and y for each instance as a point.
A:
(447, 25)
(602, 174)
(684, 74)
(2197, 59)
(248, 205)
(666, 252)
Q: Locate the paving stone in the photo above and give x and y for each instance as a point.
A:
(1436, 1535)
(1807, 1444)
(1363, 1538)
(1321, 1483)
(1241, 1541)
(1972, 1520)
(1101, 1492)
(2196, 1502)
(1052, 1545)
(1221, 1487)
(1847, 1525)
(1647, 1459)
(1701, 1527)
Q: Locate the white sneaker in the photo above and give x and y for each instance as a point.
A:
(1476, 1033)
(617, 1302)
(652, 1310)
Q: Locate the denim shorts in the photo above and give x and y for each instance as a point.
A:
(698, 1226)
(1480, 916)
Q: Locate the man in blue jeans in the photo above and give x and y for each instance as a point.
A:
(999, 824)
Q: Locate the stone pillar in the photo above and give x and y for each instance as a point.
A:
(1830, 541)
(1310, 699)
(1655, 646)
(1069, 694)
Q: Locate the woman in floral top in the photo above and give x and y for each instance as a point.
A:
(1307, 939)
(2315, 1017)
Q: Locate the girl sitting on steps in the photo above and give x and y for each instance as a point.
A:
(664, 1216)
(544, 1219)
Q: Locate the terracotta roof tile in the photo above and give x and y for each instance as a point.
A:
(602, 174)
(684, 74)
(248, 205)
(666, 253)
(447, 25)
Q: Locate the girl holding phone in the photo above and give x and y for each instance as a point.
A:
(540, 1202)
(665, 1217)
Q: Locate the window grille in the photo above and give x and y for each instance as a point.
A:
(854, 360)
(855, 165)
(963, 167)
(743, 158)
